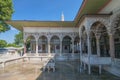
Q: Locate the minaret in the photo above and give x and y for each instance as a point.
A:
(62, 17)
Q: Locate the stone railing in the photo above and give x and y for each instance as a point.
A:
(68, 56)
(100, 60)
(7, 62)
(95, 60)
(39, 54)
(57, 56)
(4, 63)
(116, 62)
(31, 57)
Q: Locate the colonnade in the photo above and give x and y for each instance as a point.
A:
(52, 43)
(103, 44)
(100, 38)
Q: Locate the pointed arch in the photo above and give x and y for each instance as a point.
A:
(67, 44)
(30, 44)
(93, 43)
(76, 44)
(55, 44)
(42, 44)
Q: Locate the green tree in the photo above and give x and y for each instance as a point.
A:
(19, 39)
(6, 10)
(12, 45)
(3, 43)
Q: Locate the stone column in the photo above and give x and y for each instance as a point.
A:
(89, 45)
(112, 46)
(80, 52)
(60, 47)
(48, 46)
(80, 47)
(98, 45)
(89, 53)
(77, 46)
(36, 47)
(72, 47)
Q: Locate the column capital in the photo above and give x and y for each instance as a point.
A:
(73, 38)
(49, 37)
(61, 38)
(111, 32)
(36, 37)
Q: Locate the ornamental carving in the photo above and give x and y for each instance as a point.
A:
(115, 22)
(49, 35)
(89, 21)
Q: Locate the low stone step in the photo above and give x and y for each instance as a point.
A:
(113, 69)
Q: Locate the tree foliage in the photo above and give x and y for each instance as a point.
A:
(12, 45)
(19, 39)
(3, 43)
(6, 10)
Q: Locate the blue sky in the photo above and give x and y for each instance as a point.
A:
(42, 10)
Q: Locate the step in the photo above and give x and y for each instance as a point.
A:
(113, 69)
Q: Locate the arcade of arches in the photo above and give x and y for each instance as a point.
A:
(95, 36)
(100, 41)
(54, 44)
